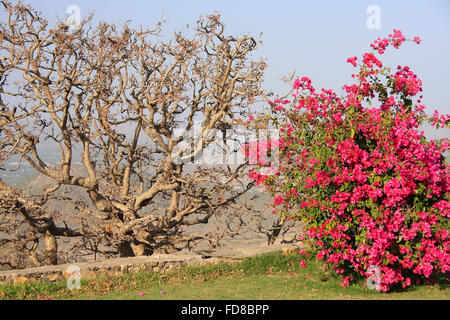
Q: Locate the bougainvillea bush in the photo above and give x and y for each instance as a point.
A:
(359, 172)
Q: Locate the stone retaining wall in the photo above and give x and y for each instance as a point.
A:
(155, 263)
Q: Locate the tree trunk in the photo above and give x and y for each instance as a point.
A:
(276, 229)
(51, 249)
(128, 249)
(125, 250)
(141, 250)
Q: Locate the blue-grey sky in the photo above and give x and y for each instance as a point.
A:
(315, 38)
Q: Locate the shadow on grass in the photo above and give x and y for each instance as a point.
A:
(440, 281)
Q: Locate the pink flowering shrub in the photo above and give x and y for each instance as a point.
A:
(369, 187)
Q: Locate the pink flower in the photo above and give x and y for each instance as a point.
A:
(408, 281)
(346, 281)
(397, 38)
(309, 183)
(322, 178)
(338, 118)
(278, 200)
(302, 264)
(407, 82)
(369, 59)
(352, 60)
(303, 252)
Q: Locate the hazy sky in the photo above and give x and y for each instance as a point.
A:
(315, 38)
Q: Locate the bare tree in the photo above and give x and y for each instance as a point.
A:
(118, 95)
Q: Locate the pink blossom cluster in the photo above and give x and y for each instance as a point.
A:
(372, 190)
(407, 82)
(395, 39)
(440, 120)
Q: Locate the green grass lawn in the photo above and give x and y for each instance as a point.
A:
(270, 276)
